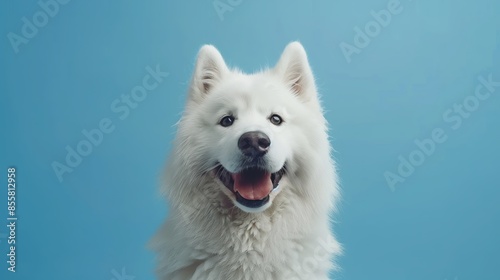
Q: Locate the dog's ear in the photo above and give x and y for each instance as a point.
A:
(209, 70)
(295, 71)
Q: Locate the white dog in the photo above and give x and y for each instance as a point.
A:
(250, 181)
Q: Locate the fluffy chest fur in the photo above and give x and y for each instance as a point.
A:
(232, 244)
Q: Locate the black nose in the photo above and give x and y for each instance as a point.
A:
(254, 143)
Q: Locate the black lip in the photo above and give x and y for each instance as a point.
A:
(251, 203)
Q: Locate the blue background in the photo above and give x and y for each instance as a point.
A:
(442, 222)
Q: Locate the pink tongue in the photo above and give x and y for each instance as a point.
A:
(254, 185)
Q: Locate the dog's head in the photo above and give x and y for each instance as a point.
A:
(251, 133)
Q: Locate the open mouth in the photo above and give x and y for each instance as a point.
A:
(251, 186)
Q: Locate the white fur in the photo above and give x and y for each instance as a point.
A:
(206, 235)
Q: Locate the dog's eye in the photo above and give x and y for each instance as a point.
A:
(276, 119)
(227, 121)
